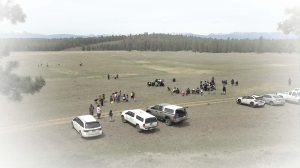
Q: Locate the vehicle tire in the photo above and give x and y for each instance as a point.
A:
(123, 119)
(252, 104)
(271, 103)
(239, 101)
(138, 128)
(168, 122)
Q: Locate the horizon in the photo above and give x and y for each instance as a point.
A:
(135, 17)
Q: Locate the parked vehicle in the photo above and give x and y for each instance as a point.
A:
(156, 82)
(140, 119)
(292, 96)
(168, 113)
(87, 126)
(273, 99)
(252, 101)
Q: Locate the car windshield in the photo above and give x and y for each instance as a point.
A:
(259, 98)
(95, 124)
(151, 120)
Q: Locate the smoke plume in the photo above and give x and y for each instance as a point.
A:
(292, 24)
(12, 12)
(12, 85)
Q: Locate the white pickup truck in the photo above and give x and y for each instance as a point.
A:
(292, 96)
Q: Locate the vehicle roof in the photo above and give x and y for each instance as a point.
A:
(87, 118)
(141, 113)
(173, 107)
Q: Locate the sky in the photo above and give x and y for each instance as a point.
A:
(86, 17)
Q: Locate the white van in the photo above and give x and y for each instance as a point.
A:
(87, 126)
(140, 119)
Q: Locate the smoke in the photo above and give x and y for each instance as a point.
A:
(292, 24)
(12, 12)
(14, 86)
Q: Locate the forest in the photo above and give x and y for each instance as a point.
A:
(152, 42)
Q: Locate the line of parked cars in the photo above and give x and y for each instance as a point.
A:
(292, 96)
(88, 126)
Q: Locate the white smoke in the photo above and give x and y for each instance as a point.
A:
(12, 85)
(12, 12)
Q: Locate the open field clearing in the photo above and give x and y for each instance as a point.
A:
(218, 133)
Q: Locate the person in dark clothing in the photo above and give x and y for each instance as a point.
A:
(224, 90)
(236, 83)
(101, 101)
(232, 82)
(117, 77)
(110, 115)
(91, 109)
(108, 76)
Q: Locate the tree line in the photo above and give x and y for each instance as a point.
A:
(153, 42)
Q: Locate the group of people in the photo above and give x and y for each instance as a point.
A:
(115, 77)
(100, 100)
(98, 111)
(236, 83)
(185, 92)
(117, 97)
(209, 86)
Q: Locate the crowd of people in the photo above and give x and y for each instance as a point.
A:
(117, 97)
(206, 86)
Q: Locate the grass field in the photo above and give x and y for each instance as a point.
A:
(219, 132)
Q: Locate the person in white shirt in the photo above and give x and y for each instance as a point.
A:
(98, 111)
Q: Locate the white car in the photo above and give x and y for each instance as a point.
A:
(292, 96)
(140, 119)
(87, 126)
(253, 101)
(273, 99)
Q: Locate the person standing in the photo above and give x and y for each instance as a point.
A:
(224, 90)
(91, 109)
(108, 76)
(290, 81)
(110, 115)
(101, 101)
(133, 96)
(98, 111)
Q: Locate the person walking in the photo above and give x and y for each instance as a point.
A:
(110, 115)
(91, 109)
(98, 111)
